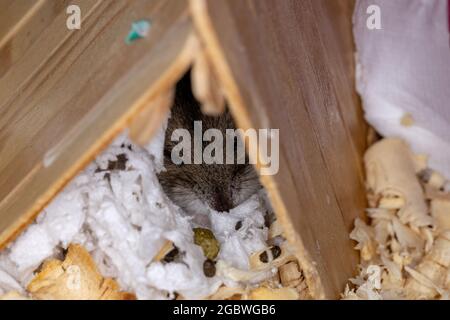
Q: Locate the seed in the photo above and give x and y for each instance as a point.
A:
(171, 255)
(209, 268)
(121, 161)
(276, 251)
(264, 257)
(269, 218)
(119, 164)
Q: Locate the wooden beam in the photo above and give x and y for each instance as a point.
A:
(14, 14)
(35, 37)
(281, 67)
(89, 87)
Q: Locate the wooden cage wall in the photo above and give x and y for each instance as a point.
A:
(65, 94)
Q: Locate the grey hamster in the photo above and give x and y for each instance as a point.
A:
(193, 186)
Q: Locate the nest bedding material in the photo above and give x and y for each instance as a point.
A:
(403, 74)
(116, 210)
(405, 246)
(117, 223)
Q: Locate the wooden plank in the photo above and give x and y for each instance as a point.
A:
(20, 46)
(14, 14)
(86, 92)
(279, 69)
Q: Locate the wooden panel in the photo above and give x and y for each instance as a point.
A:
(80, 95)
(338, 31)
(286, 68)
(33, 31)
(14, 14)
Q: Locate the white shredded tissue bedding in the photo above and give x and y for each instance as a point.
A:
(403, 73)
(123, 222)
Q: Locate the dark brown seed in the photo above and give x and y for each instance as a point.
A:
(238, 225)
(209, 268)
(269, 218)
(171, 255)
(121, 161)
(263, 257)
(276, 251)
(119, 164)
(111, 165)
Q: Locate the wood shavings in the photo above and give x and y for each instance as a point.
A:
(405, 246)
(287, 281)
(432, 193)
(273, 256)
(390, 169)
(424, 282)
(290, 275)
(421, 162)
(275, 229)
(77, 277)
(368, 285)
(260, 293)
(429, 279)
(263, 293)
(13, 295)
(406, 237)
(436, 180)
(363, 235)
(116, 209)
(229, 293)
(440, 210)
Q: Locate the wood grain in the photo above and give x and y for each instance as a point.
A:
(14, 14)
(44, 23)
(283, 66)
(84, 92)
(149, 119)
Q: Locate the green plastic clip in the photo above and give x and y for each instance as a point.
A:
(139, 29)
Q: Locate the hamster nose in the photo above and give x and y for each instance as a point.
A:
(220, 202)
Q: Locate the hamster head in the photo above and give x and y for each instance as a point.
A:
(195, 186)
